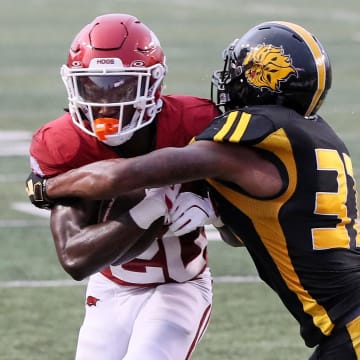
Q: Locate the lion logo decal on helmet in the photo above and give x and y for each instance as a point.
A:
(267, 66)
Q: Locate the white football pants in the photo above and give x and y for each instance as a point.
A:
(156, 323)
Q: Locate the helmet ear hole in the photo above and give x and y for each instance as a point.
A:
(158, 73)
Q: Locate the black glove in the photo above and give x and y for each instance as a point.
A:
(36, 191)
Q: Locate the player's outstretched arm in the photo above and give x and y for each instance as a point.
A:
(200, 160)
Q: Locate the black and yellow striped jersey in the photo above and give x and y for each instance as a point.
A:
(305, 241)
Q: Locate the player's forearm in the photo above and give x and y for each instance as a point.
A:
(92, 249)
(97, 246)
(109, 178)
(157, 230)
(100, 180)
(92, 181)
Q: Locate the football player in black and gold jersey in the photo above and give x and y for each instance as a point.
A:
(281, 177)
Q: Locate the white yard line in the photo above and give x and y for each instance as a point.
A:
(17, 223)
(40, 283)
(65, 283)
(14, 143)
(28, 208)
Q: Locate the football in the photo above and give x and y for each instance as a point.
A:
(110, 209)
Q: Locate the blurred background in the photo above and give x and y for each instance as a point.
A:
(40, 307)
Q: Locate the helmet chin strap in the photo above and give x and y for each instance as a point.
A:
(119, 140)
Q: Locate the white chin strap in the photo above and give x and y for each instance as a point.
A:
(119, 140)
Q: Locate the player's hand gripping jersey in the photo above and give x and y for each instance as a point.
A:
(60, 146)
(325, 270)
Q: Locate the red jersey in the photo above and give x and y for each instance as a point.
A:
(60, 145)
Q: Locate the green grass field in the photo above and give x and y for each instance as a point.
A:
(40, 312)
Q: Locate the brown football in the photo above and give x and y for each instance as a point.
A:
(110, 209)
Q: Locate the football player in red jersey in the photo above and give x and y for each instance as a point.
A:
(158, 304)
(280, 175)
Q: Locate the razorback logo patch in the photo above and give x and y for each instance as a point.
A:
(91, 301)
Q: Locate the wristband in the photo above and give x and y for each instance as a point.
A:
(36, 191)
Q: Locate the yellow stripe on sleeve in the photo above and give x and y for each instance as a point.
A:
(240, 128)
(226, 127)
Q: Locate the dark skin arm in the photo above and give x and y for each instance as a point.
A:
(85, 247)
(200, 160)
